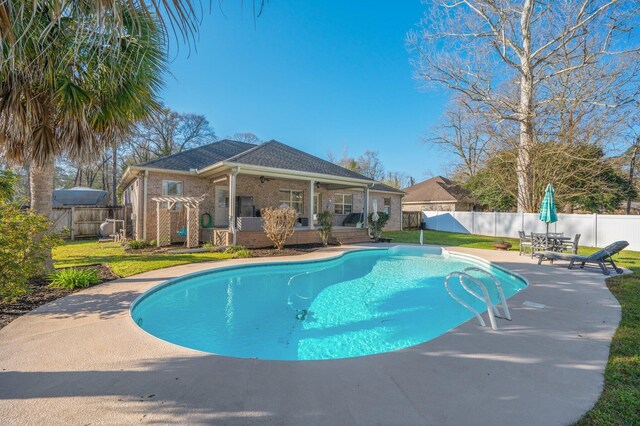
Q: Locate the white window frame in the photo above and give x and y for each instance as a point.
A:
(290, 201)
(176, 206)
(340, 205)
(387, 207)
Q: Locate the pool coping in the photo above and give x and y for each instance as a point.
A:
(545, 367)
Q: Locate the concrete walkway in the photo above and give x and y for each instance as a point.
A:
(82, 360)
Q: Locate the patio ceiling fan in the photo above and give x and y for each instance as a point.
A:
(264, 179)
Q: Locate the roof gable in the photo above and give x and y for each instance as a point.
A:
(280, 156)
(436, 189)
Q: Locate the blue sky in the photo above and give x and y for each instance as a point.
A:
(317, 75)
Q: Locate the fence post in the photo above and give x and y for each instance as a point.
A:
(473, 222)
(495, 223)
(73, 210)
(595, 229)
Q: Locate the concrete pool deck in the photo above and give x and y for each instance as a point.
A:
(82, 360)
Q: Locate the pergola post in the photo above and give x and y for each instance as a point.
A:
(312, 185)
(163, 225)
(193, 228)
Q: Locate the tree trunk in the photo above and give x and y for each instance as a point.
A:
(526, 113)
(41, 184)
(632, 167)
(114, 168)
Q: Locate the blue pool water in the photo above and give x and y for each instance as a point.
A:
(364, 302)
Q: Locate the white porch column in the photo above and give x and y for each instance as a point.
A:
(312, 188)
(365, 221)
(232, 204)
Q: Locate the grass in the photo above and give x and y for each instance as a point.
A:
(124, 264)
(619, 403)
(448, 239)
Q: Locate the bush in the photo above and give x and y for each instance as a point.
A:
(137, 244)
(279, 224)
(71, 278)
(25, 240)
(238, 251)
(325, 220)
(153, 243)
(377, 226)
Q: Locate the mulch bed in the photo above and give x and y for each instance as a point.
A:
(40, 293)
(287, 251)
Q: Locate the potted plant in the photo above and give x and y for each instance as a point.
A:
(502, 245)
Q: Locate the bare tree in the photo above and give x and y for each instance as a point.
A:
(370, 165)
(501, 52)
(465, 132)
(167, 132)
(247, 137)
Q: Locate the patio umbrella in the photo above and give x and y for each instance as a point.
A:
(548, 208)
(374, 216)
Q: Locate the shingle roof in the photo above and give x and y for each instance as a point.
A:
(382, 187)
(280, 156)
(201, 157)
(436, 189)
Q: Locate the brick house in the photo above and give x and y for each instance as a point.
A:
(437, 194)
(239, 179)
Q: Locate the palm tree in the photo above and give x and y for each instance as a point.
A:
(75, 91)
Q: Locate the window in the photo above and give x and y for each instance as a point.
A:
(343, 203)
(172, 187)
(387, 205)
(292, 198)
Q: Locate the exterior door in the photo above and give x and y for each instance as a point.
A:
(221, 214)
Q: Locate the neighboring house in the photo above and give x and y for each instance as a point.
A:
(271, 174)
(437, 194)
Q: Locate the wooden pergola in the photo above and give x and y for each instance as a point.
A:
(163, 227)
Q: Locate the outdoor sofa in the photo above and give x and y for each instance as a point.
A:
(600, 258)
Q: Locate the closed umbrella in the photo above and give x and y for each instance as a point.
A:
(548, 208)
(374, 216)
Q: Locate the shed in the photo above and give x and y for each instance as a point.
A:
(437, 194)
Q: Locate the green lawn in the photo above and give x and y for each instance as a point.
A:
(619, 403)
(79, 253)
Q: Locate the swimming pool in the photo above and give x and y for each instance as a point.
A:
(361, 303)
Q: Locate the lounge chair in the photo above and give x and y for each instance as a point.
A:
(600, 258)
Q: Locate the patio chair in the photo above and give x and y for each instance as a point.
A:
(600, 258)
(539, 242)
(525, 242)
(572, 245)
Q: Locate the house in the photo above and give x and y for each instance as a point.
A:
(229, 182)
(437, 194)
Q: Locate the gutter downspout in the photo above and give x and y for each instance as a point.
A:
(144, 206)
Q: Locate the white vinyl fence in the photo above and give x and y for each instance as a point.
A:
(597, 230)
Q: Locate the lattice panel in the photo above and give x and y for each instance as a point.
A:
(163, 236)
(219, 238)
(193, 227)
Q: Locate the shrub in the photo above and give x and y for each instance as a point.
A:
(74, 278)
(25, 240)
(325, 220)
(137, 244)
(377, 226)
(278, 224)
(207, 245)
(238, 251)
(153, 243)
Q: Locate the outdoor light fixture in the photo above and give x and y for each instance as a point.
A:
(262, 179)
(317, 185)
